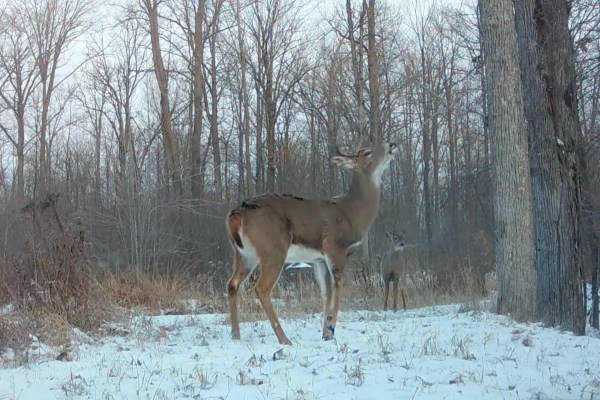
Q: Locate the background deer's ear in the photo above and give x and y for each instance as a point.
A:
(344, 162)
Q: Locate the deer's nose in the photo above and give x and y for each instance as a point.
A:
(393, 147)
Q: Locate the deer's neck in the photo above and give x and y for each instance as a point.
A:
(362, 201)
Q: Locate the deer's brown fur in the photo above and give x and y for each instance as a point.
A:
(269, 230)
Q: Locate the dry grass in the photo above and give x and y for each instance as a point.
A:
(90, 296)
(460, 284)
(54, 287)
(155, 293)
(48, 299)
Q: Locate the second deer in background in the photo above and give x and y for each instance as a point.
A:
(394, 269)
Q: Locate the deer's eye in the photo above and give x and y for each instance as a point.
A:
(367, 153)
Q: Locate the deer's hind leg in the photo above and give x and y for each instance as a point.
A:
(241, 270)
(270, 269)
(396, 287)
(403, 298)
(402, 278)
(386, 293)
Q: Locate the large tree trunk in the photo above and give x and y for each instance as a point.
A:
(548, 73)
(510, 165)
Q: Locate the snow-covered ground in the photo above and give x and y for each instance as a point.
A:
(431, 353)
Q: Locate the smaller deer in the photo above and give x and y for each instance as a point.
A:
(394, 269)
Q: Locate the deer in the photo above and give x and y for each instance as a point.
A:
(270, 230)
(394, 269)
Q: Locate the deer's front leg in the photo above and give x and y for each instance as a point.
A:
(324, 278)
(338, 284)
(337, 270)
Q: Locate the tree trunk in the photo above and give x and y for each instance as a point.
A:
(214, 103)
(169, 140)
(510, 167)
(452, 195)
(196, 170)
(244, 101)
(20, 150)
(260, 164)
(548, 73)
(426, 105)
(373, 64)
(356, 54)
(595, 309)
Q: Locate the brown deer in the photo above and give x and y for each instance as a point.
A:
(394, 269)
(270, 230)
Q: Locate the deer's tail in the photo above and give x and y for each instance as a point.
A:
(234, 224)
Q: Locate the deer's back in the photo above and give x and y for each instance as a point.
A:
(307, 221)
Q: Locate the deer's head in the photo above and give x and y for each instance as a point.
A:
(370, 161)
(396, 240)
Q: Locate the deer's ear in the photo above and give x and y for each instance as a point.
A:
(343, 162)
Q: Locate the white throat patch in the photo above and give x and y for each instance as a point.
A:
(378, 173)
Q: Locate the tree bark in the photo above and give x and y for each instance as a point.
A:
(213, 113)
(196, 170)
(169, 140)
(373, 65)
(510, 167)
(356, 54)
(426, 105)
(548, 74)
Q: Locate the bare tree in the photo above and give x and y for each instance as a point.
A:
(54, 25)
(20, 78)
(212, 71)
(273, 27)
(355, 36)
(373, 66)
(150, 8)
(117, 71)
(243, 97)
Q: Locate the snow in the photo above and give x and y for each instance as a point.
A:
(431, 353)
(297, 265)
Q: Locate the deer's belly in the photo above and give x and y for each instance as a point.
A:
(297, 253)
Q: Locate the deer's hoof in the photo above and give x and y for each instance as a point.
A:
(329, 332)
